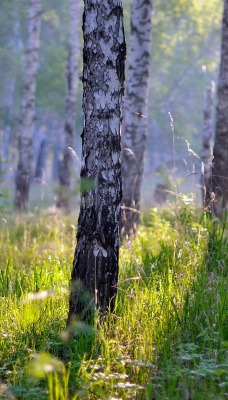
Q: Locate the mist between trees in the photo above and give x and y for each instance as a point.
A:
(185, 53)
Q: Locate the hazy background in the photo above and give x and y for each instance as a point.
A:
(185, 59)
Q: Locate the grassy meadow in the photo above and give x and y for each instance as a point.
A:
(168, 337)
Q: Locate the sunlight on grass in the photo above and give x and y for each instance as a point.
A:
(168, 337)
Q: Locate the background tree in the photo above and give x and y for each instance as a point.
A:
(41, 142)
(134, 131)
(71, 94)
(220, 152)
(185, 41)
(206, 154)
(24, 168)
(95, 266)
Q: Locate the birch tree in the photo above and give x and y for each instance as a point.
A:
(136, 109)
(220, 152)
(8, 88)
(24, 168)
(71, 92)
(95, 266)
(206, 154)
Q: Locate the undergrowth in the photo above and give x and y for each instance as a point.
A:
(168, 337)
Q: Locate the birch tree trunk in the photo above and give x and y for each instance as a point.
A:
(135, 115)
(8, 89)
(24, 168)
(95, 266)
(40, 149)
(206, 154)
(57, 132)
(220, 161)
(71, 92)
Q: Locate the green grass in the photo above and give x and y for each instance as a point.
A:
(168, 337)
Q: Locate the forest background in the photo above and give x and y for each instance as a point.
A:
(185, 59)
(168, 335)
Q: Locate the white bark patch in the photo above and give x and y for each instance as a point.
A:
(115, 158)
(99, 249)
(90, 24)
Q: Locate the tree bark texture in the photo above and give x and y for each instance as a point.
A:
(95, 266)
(24, 168)
(71, 93)
(220, 161)
(134, 131)
(206, 154)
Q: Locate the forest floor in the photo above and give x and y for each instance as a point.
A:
(168, 336)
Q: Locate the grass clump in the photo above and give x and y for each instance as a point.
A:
(168, 337)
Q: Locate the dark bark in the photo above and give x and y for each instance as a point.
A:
(41, 160)
(95, 266)
(220, 161)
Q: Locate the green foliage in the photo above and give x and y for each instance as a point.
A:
(185, 56)
(167, 337)
(186, 37)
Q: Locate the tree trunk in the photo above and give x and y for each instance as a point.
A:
(220, 161)
(43, 139)
(206, 154)
(71, 92)
(57, 131)
(24, 168)
(95, 266)
(4, 151)
(8, 89)
(135, 116)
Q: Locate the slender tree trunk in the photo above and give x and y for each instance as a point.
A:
(220, 161)
(71, 92)
(206, 154)
(24, 168)
(8, 88)
(136, 108)
(9, 96)
(4, 151)
(57, 130)
(95, 266)
(42, 151)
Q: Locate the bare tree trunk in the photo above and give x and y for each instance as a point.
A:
(206, 154)
(135, 116)
(71, 92)
(24, 168)
(4, 151)
(41, 145)
(8, 89)
(95, 266)
(220, 161)
(57, 130)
